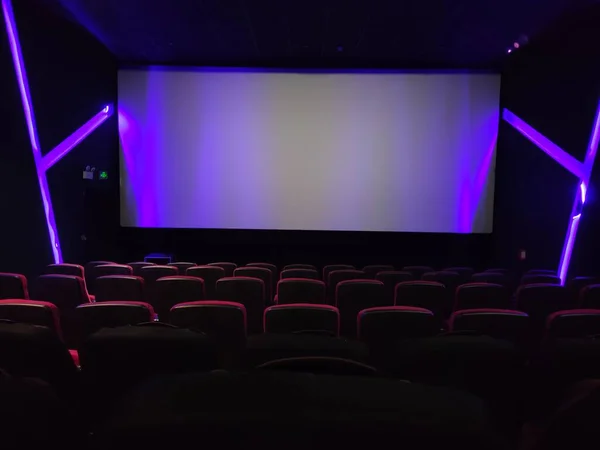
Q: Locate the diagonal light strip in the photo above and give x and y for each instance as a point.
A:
(582, 170)
(42, 163)
(72, 141)
(550, 148)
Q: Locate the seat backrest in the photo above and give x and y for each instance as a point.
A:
(182, 266)
(274, 273)
(573, 323)
(423, 294)
(310, 274)
(302, 317)
(464, 272)
(152, 273)
(539, 279)
(390, 279)
(449, 279)
(112, 288)
(497, 323)
(417, 271)
(372, 270)
(337, 276)
(250, 292)
(299, 266)
(589, 297)
(301, 290)
(138, 266)
(65, 269)
(575, 285)
(258, 272)
(382, 326)
(493, 278)
(210, 275)
(13, 285)
(541, 300)
(226, 321)
(176, 289)
(33, 312)
(331, 267)
(352, 296)
(110, 269)
(95, 316)
(482, 295)
(228, 267)
(90, 275)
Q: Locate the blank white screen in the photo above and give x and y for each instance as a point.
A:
(251, 149)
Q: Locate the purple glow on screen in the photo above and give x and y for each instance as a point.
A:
(42, 163)
(582, 170)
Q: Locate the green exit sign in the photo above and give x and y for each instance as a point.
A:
(103, 175)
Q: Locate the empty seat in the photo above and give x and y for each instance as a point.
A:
(300, 290)
(299, 266)
(302, 317)
(13, 285)
(589, 297)
(176, 289)
(310, 274)
(497, 270)
(390, 279)
(352, 296)
(417, 271)
(110, 269)
(423, 294)
(497, 323)
(34, 312)
(449, 279)
(210, 275)
(138, 266)
(274, 272)
(89, 273)
(382, 326)
(539, 279)
(331, 267)
(482, 295)
(337, 276)
(65, 269)
(541, 300)
(493, 278)
(575, 285)
(95, 316)
(573, 323)
(258, 272)
(182, 266)
(250, 292)
(112, 288)
(152, 273)
(372, 270)
(465, 272)
(226, 321)
(66, 292)
(228, 267)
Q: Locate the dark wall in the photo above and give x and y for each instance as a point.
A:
(71, 77)
(554, 85)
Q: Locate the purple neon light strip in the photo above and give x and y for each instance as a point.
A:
(550, 148)
(590, 157)
(15, 48)
(72, 141)
(43, 163)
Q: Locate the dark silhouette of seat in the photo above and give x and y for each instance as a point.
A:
(95, 316)
(589, 297)
(482, 295)
(310, 274)
(13, 285)
(250, 292)
(353, 296)
(497, 323)
(110, 269)
(573, 323)
(302, 317)
(337, 276)
(210, 275)
(299, 266)
(372, 270)
(300, 290)
(390, 279)
(417, 271)
(258, 272)
(539, 279)
(500, 278)
(228, 267)
(90, 275)
(449, 279)
(182, 266)
(138, 266)
(382, 326)
(423, 294)
(332, 267)
(151, 274)
(274, 272)
(65, 269)
(112, 288)
(575, 286)
(176, 289)
(33, 312)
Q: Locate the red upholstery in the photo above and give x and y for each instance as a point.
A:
(182, 266)
(301, 317)
(13, 285)
(210, 275)
(573, 323)
(300, 290)
(250, 292)
(65, 291)
(119, 288)
(374, 269)
(31, 311)
(228, 267)
(258, 272)
(332, 267)
(500, 323)
(298, 272)
(93, 317)
(299, 266)
(386, 324)
(138, 266)
(423, 294)
(172, 290)
(65, 269)
(214, 317)
(481, 295)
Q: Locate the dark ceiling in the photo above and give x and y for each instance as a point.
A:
(318, 33)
